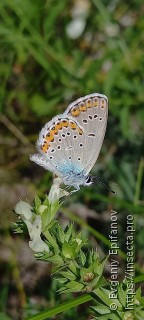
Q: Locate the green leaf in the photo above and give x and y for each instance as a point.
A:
(73, 267)
(75, 286)
(99, 281)
(103, 294)
(68, 274)
(37, 202)
(68, 231)
(18, 227)
(55, 259)
(68, 251)
(61, 280)
(46, 201)
(101, 309)
(81, 258)
(54, 207)
(140, 314)
(99, 265)
(111, 317)
(122, 295)
(60, 233)
(139, 298)
(52, 241)
(45, 216)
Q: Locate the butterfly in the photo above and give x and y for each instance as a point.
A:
(70, 143)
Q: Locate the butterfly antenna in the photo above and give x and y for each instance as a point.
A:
(104, 182)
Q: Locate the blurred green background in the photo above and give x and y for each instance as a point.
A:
(52, 52)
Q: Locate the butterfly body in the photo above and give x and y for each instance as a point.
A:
(70, 143)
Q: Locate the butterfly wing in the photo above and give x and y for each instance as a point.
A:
(70, 143)
(57, 146)
(91, 114)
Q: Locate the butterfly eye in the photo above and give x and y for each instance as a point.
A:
(88, 181)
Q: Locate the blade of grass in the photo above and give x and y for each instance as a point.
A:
(61, 308)
(139, 279)
(139, 182)
(119, 203)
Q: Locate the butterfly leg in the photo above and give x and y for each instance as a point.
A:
(75, 190)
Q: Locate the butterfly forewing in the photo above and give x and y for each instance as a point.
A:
(91, 114)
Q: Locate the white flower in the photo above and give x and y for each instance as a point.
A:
(34, 225)
(36, 243)
(56, 192)
(24, 209)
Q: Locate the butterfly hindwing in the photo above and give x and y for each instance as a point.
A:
(58, 143)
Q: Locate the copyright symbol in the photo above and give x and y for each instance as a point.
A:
(113, 306)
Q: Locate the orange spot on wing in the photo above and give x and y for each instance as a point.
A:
(89, 103)
(102, 104)
(95, 102)
(59, 126)
(75, 112)
(65, 123)
(73, 125)
(82, 106)
(50, 136)
(45, 147)
(54, 130)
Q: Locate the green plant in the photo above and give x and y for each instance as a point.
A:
(75, 268)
